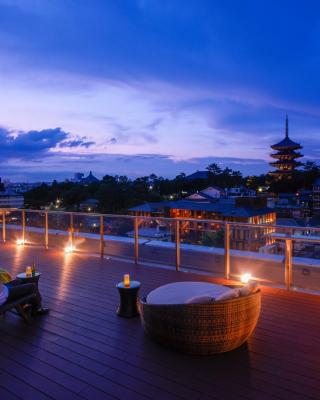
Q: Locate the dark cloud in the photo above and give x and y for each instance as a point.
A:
(76, 143)
(36, 144)
(207, 43)
(112, 141)
(61, 166)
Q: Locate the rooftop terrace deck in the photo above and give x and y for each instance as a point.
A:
(84, 351)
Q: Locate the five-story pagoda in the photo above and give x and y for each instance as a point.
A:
(286, 156)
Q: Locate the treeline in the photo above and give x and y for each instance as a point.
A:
(115, 194)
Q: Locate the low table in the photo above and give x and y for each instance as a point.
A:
(128, 299)
(35, 280)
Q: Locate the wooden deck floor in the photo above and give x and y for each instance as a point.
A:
(85, 351)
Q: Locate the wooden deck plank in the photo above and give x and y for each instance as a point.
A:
(85, 351)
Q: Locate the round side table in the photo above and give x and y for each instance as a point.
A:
(128, 299)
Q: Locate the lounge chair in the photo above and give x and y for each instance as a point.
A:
(18, 304)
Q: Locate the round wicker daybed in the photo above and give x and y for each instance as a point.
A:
(202, 328)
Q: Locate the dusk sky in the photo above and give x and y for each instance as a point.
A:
(134, 87)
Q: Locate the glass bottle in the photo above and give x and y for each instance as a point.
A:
(33, 269)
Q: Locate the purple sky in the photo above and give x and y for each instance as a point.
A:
(154, 86)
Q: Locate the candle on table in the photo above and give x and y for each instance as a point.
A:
(126, 280)
(28, 271)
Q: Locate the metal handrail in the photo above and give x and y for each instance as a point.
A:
(176, 222)
(166, 219)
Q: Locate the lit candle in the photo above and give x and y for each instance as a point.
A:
(28, 271)
(126, 280)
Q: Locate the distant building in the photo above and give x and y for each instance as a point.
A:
(78, 176)
(242, 237)
(240, 191)
(316, 198)
(198, 175)
(159, 232)
(11, 199)
(210, 193)
(286, 155)
(89, 179)
(89, 205)
(287, 206)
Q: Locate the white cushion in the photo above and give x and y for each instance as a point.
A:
(200, 300)
(182, 292)
(249, 288)
(231, 294)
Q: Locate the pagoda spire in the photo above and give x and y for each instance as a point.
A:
(286, 156)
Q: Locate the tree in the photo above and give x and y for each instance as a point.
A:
(214, 169)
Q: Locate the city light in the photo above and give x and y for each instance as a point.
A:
(245, 278)
(20, 242)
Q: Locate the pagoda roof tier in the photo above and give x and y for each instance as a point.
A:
(279, 173)
(280, 163)
(286, 143)
(286, 155)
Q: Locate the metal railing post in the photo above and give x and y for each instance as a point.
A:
(46, 230)
(288, 263)
(227, 251)
(101, 236)
(136, 240)
(3, 226)
(177, 245)
(71, 231)
(23, 225)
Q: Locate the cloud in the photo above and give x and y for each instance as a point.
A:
(131, 134)
(154, 124)
(35, 144)
(112, 141)
(76, 143)
(61, 165)
(157, 77)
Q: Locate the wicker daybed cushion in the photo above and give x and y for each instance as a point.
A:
(186, 292)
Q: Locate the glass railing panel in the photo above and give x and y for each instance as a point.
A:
(86, 233)
(202, 246)
(12, 225)
(157, 241)
(306, 258)
(118, 237)
(58, 229)
(258, 251)
(34, 227)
